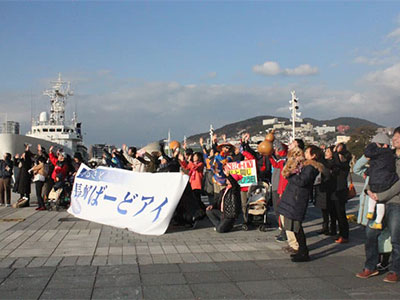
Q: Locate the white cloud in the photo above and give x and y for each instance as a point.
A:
(389, 77)
(365, 60)
(269, 68)
(301, 70)
(395, 34)
(272, 68)
(137, 112)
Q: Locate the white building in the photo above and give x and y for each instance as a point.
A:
(270, 121)
(321, 130)
(342, 139)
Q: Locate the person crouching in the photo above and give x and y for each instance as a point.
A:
(226, 209)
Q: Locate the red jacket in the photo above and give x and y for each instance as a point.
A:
(279, 164)
(195, 173)
(58, 169)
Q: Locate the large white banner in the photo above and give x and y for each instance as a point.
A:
(141, 202)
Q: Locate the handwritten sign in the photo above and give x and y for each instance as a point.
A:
(141, 202)
(246, 168)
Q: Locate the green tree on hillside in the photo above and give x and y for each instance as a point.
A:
(360, 138)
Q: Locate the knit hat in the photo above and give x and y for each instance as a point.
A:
(381, 138)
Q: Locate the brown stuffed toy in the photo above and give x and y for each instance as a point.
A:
(294, 162)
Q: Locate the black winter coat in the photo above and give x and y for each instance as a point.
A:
(24, 178)
(338, 184)
(4, 173)
(232, 201)
(382, 168)
(295, 198)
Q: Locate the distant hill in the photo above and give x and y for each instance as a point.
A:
(254, 126)
(352, 122)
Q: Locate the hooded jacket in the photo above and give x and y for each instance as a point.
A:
(392, 195)
(382, 168)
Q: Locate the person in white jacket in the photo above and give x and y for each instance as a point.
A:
(135, 158)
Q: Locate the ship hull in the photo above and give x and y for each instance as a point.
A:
(15, 143)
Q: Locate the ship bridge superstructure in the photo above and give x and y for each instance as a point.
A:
(53, 127)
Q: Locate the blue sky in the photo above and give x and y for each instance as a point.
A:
(148, 66)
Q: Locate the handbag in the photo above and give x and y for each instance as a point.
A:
(351, 193)
(20, 203)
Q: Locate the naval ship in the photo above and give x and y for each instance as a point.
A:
(49, 129)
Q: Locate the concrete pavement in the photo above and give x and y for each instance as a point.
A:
(52, 255)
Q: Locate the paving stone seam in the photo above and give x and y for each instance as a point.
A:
(97, 243)
(48, 281)
(13, 270)
(94, 282)
(58, 244)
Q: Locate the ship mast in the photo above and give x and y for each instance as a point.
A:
(58, 94)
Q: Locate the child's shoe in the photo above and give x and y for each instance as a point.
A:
(376, 226)
(370, 216)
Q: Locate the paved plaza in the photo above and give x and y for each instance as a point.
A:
(52, 255)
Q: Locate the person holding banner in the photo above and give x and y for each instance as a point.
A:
(264, 170)
(134, 158)
(224, 212)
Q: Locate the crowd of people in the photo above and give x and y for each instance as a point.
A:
(294, 175)
(47, 170)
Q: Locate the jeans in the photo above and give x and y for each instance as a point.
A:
(221, 224)
(392, 221)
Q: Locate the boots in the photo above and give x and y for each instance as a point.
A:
(300, 257)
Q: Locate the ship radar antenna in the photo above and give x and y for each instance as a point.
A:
(58, 94)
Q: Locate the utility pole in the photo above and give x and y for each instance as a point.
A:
(295, 117)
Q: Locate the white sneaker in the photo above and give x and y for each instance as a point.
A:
(8, 205)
